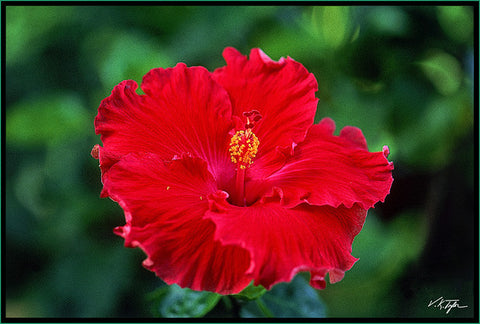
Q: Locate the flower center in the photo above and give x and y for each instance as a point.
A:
(243, 148)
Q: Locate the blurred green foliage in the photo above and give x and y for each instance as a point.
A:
(296, 299)
(173, 301)
(404, 75)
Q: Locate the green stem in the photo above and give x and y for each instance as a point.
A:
(263, 308)
(227, 302)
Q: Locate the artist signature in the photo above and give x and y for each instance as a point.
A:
(445, 304)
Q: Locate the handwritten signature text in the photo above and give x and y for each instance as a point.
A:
(445, 304)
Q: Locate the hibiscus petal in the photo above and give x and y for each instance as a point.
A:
(284, 241)
(330, 170)
(183, 110)
(164, 205)
(283, 92)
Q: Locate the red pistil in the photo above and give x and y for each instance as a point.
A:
(239, 195)
(243, 148)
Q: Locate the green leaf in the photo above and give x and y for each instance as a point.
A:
(444, 71)
(47, 120)
(173, 301)
(251, 292)
(120, 61)
(331, 24)
(389, 20)
(457, 22)
(28, 29)
(443, 123)
(295, 299)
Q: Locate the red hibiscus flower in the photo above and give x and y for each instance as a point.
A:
(224, 178)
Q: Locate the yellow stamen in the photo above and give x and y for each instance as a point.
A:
(243, 148)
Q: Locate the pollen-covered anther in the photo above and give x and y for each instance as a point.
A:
(243, 148)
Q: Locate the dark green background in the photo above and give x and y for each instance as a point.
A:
(404, 75)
